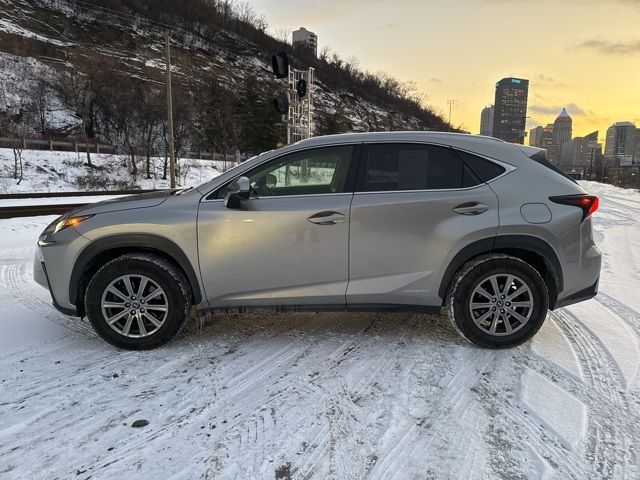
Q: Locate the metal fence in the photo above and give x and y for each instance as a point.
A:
(80, 147)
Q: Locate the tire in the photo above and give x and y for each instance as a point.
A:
(467, 297)
(162, 310)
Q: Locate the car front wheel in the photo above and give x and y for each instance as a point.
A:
(137, 301)
(497, 301)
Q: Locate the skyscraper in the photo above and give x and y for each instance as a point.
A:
(305, 39)
(486, 121)
(562, 133)
(535, 136)
(510, 109)
(562, 128)
(620, 143)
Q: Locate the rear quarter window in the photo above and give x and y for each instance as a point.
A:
(484, 169)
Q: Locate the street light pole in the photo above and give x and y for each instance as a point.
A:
(171, 147)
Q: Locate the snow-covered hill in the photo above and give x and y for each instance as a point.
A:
(42, 37)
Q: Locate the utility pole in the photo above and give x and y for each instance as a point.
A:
(172, 158)
(451, 102)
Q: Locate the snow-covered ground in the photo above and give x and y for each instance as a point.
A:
(46, 171)
(344, 396)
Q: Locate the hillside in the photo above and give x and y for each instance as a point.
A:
(91, 67)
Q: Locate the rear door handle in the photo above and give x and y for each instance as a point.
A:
(471, 208)
(327, 218)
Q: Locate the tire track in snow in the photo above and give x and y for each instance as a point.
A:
(14, 278)
(417, 436)
(630, 316)
(319, 440)
(607, 441)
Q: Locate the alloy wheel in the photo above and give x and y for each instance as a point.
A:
(134, 306)
(501, 304)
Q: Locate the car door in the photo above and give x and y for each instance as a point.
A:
(288, 243)
(414, 207)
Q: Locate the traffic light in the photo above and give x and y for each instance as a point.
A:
(280, 63)
(281, 104)
(301, 87)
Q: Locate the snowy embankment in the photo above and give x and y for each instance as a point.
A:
(47, 171)
(383, 396)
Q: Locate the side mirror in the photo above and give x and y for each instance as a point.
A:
(237, 191)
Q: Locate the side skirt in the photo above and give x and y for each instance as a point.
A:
(374, 307)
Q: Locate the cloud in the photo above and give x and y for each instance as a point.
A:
(541, 78)
(435, 80)
(573, 109)
(608, 47)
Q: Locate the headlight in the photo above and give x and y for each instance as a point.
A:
(59, 224)
(70, 222)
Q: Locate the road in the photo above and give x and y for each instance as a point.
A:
(344, 396)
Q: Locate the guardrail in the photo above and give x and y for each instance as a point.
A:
(17, 196)
(60, 145)
(15, 211)
(37, 210)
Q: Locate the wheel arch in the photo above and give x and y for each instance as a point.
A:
(105, 249)
(533, 250)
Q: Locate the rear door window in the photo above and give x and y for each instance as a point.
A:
(406, 166)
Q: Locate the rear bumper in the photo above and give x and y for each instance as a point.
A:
(579, 296)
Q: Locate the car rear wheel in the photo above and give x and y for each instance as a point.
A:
(497, 301)
(137, 301)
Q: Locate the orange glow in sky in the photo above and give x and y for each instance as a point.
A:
(580, 54)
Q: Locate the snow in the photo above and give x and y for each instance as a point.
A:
(325, 395)
(58, 171)
(543, 397)
(9, 27)
(555, 347)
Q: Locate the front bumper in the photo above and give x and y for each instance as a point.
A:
(41, 277)
(52, 265)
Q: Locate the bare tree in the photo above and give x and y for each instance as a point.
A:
(80, 92)
(17, 122)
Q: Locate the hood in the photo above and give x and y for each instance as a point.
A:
(142, 200)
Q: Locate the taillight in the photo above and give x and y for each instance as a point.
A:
(588, 203)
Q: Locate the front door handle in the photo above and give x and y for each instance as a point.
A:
(471, 208)
(327, 218)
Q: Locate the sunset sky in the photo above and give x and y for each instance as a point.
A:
(582, 54)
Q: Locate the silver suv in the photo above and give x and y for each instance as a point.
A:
(376, 221)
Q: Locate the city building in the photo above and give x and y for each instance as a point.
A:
(536, 135)
(486, 121)
(620, 143)
(305, 39)
(581, 154)
(541, 137)
(510, 109)
(562, 128)
(561, 133)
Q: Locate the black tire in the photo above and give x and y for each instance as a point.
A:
(476, 271)
(159, 270)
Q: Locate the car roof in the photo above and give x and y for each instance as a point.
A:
(486, 146)
(446, 138)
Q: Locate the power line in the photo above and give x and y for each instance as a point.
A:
(451, 102)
